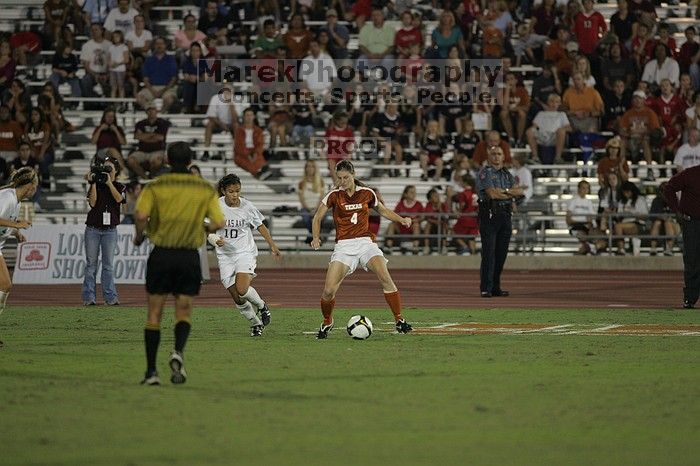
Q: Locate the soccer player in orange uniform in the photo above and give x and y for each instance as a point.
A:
(355, 245)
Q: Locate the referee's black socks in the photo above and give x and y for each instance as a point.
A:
(182, 331)
(151, 336)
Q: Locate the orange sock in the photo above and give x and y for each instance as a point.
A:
(394, 301)
(327, 310)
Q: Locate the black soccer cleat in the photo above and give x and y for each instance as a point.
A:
(265, 315)
(403, 327)
(151, 378)
(256, 330)
(323, 331)
(177, 366)
(686, 305)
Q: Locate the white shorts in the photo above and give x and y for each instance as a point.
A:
(356, 251)
(230, 266)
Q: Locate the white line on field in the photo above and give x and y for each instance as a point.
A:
(604, 329)
(618, 305)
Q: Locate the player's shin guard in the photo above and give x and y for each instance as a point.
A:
(3, 300)
(327, 310)
(246, 309)
(151, 336)
(393, 299)
(182, 331)
(254, 298)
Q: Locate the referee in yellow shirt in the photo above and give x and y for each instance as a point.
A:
(171, 211)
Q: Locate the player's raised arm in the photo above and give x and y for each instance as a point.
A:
(274, 250)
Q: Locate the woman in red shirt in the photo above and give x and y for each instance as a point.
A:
(408, 206)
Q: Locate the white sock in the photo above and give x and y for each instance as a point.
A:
(254, 298)
(246, 309)
(3, 299)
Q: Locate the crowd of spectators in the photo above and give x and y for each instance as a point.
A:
(627, 76)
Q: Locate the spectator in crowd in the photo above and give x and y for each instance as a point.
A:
(408, 206)
(213, 23)
(589, 26)
(65, 66)
(310, 190)
(466, 228)
(623, 23)
(493, 139)
(663, 66)
(267, 43)
(445, 36)
(663, 30)
(547, 135)
(526, 44)
(407, 36)
(297, 38)
(105, 199)
(50, 103)
(189, 34)
(339, 142)
(360, 11)
(387, 125)
(618, 67)
(559, 53)
(55, 15)
(436, 223)
(613, 162)
(120, 19)
(159, 77)
(40, 137)
(25, 159)
(692, 114)
(669, 108)
(118, 60)
(7, 66)
(95, 58)
(280, 122)
(638, 126)
(151, 134)
(109, 135)
(579, 217)
(376, 42)
(687, 55)
(497, 15)
(18, 100)
(248, 147)
(632, 210)
(643, 44)
(583, 66)
(516, 103)
(616, 104)
(608, 199)
(433, 145)
(465, 143)
(543, 85)
(583, 105)
(522, 177)
(686, 91)
(338, 35)
(96, 11)
(544, 18)
(191, 75)
(303, 114)
(320, 81)
(688, 155)
(139, 41)
(10, 135)
(662, 222)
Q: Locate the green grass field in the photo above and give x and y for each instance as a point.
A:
(69, 391)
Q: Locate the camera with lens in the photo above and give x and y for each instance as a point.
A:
(100, 172)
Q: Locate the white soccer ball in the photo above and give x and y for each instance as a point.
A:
(359, 327)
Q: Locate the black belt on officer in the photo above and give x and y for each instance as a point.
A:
(493, 207)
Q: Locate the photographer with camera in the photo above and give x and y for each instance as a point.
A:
(105, 197)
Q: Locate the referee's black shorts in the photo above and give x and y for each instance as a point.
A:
(173, 271)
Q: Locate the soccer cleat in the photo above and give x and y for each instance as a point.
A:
(403, 327)
(151, 378)
(323, 331)
(486, 294)
(265, 315)
(256, 330)
(177, 366)
(688, 305)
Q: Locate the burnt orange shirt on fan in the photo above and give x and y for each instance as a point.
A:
(351, 213)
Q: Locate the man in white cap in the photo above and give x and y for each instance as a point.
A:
(637, 126)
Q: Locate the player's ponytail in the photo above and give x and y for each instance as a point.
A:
(21, 177)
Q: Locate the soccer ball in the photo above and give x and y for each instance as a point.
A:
(359, 327)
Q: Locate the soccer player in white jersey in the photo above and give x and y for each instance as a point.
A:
(237, 253)
(23, 185)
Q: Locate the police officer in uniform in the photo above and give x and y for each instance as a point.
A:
(497, 191)
(687, 183)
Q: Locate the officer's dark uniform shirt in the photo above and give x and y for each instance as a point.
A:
(688, 182)
(489, 177)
